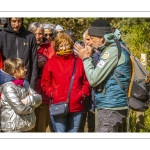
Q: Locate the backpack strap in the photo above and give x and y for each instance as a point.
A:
(121, 85)
(118, 46)
(117, 43)
(119, 55)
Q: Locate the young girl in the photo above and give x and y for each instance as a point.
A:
(18, 98)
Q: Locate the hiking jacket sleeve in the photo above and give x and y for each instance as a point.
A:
(108, 61)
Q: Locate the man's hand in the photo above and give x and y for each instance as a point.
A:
(83, 52)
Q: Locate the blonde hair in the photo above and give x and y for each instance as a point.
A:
(13, 63)
(63, 38)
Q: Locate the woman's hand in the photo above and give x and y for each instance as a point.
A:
(41, 62)
(42, 59)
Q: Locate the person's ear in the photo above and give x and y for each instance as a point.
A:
(102, 39)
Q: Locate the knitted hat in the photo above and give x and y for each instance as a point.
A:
(99, 27)
(58, 27)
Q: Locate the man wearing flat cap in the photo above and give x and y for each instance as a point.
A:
(110, 78)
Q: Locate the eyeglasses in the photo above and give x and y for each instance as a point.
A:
(51, 34)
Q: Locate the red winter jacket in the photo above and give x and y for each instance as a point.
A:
(1, 62)
(47, 50)
(56, 79)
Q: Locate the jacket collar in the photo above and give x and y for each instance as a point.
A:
(4, 77)
(45, 41)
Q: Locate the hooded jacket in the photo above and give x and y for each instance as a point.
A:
(20, 44)
(16, 116)
(111, 96)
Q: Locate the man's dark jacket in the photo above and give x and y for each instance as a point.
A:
(20, 44)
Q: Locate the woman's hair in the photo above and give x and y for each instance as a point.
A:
(13, 63)
(50, 27)
(33, 27)
(63, 38)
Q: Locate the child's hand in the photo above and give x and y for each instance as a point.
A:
(24, 101)
(30, 94)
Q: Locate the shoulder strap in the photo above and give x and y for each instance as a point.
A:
(118, 46)
(71, 83)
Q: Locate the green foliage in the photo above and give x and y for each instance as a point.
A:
(132, 121)
(146, 127)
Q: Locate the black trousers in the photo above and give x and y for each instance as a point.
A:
(111, 120)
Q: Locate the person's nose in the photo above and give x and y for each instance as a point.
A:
(37, 36)
(17, 24)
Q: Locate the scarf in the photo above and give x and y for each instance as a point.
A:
(19, 82)
(64, 52)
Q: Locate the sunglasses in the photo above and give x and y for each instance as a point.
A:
(51, 34)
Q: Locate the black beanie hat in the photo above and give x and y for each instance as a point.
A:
(99, 27)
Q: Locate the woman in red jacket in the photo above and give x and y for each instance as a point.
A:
(56, 79)
(45, 51)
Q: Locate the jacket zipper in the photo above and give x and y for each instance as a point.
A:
(17, 47)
